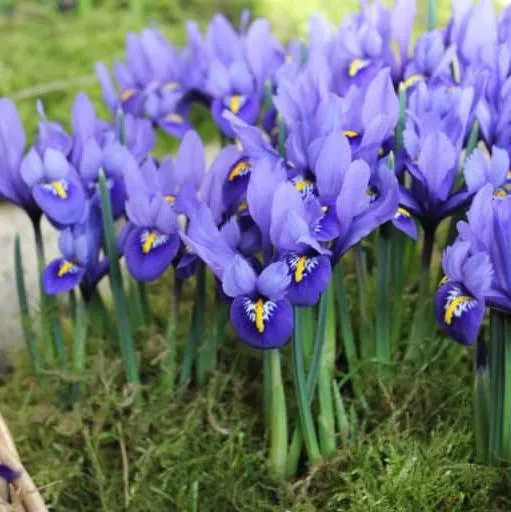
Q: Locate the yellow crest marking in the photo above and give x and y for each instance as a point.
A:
(259, 315)
(59, 189)
(127, 94)
(65, 268)
(355, 66)
(238, 169)
(411, 80)
(351, 134)
(149, 242)
(175, 118)
(235, 105)
(449, 312)
(300, 268)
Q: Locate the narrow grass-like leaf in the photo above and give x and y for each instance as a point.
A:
(26, 323)
(343, 424)
(481, 401)
(115, 276)
(383, 290)
(79, 344)
(367, 348)
(306, 421)
(196, 329)
(170, 362)
(497, 383)
(295, 449)
(144, 301)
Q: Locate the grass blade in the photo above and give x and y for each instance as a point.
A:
(26, 323)
(120, 303)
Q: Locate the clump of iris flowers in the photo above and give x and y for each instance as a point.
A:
(342, 154)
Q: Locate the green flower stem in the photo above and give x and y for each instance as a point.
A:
(196, 329)
(482, 406)
(26, 323)
(169, 366)
(497, 386)
(326, 418)
(207, 357)
(423, 318)
(100, 319)
(120, 303)
(506, 407)
(136, 312)
(366, 332)
(383, 295)
(79, 343)
(49, 304)
(295, 448)
(343, 424)
(278, 415)
(144, 300)
(343, 312)
(306, 421)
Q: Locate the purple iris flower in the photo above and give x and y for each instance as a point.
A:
(436, 128)
(477, 269)
(51, 135)
(156, 196)
(80, 264)
(431, 62)
(464, 31)
(366, 116)
(240, 65)
(55, 186)
(12, 146)
(260, 312)
(153, 82)
(137, 134)
(112, 159)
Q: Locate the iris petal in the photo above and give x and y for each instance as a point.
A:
(149, 253)
(262, 323)
(310, 276)
(61, 276)
(63, 201)
(458, 313)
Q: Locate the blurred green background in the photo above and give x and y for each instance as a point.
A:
(48, 49)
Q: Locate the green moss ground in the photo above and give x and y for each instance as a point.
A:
(206, 451)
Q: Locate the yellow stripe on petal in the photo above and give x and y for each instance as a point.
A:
(65, 268)
(171, 86)
(404, 213)
(259, 315)
(239, 168)
(412, 80)
(59, 188)
(355, 66)
(351, 134)
(170, 199)
(300, 185)
(175, 118)
(451, 308)
(300, 268)
(149, 241)
(127, 94)
(235, 103)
